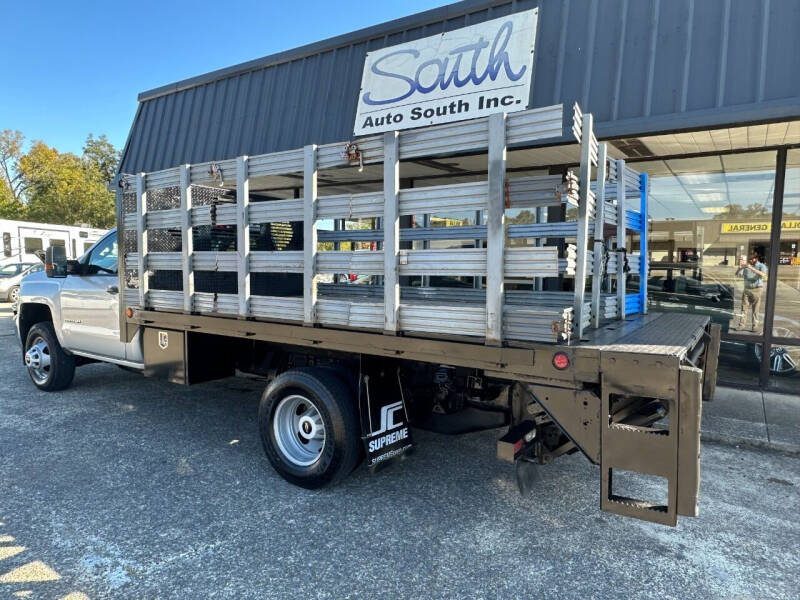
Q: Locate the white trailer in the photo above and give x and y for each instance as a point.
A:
(21, 239)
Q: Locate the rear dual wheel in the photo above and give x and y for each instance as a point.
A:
(310, 427)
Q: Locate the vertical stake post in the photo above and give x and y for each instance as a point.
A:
(643, 266)
(599, 235)
(121, 258)
(141, 237)
(391, 231)
(187, 242)
(622, 240)
(583, 222)
(496, 230)
(310, 199)
(243, 235)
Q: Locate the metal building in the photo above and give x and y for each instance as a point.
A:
(703, 95)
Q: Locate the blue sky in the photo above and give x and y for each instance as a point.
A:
(70, 68)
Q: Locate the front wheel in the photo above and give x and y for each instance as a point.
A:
(310, 427)
(13, 294)
(50, 368)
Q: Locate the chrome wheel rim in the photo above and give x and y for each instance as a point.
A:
(782, 360)
(15, 294)
(299, 430)
(37, 359)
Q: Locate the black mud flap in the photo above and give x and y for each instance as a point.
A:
(385, 426)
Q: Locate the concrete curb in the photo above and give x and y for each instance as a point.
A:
(727, 440)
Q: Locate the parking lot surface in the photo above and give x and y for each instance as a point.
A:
(125, 487)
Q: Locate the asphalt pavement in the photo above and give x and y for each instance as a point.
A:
(124, 487)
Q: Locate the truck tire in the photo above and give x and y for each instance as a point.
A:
(50, 368)
(310, 428)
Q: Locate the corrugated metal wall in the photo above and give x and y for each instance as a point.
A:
(640, 66)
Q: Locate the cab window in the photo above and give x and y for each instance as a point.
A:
(103, 259)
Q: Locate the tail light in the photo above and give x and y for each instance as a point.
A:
(560, 360)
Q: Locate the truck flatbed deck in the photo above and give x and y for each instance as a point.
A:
(666, 334)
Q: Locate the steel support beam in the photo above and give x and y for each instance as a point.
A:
(391, 230)
(141, 237)
(310, 200)
(583, 223)
(643, 260)
(243, 235)
(187, 242)
(622, 239)
(495, 229)
(599, 233)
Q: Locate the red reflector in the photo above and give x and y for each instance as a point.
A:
(560, 361)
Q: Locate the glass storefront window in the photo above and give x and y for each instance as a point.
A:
(787, 293)
(709, 236)
(739, 362)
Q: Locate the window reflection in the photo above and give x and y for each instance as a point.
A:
(709, 236)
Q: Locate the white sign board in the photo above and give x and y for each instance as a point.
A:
(457, 75)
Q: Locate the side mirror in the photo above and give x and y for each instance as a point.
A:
(74, 268)
(55, 261)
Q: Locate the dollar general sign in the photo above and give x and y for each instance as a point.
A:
(759, 227)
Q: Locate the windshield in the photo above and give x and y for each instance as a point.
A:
(10, 270)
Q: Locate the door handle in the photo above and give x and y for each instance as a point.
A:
(112, 289)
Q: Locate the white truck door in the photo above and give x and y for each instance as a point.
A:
(90, 304)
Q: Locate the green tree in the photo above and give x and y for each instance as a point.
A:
(751, 211)
(100, 154)
(11, 144)
(10, 207)
(63, 188)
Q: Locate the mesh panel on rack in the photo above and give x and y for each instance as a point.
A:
(129, 241)
(129, 246)
(215, 282)
(129, 202)
(203, 195)
(163, 240)
(162, 198)
(220, 238)
(132, 278)
(277, 236)
(166, 280)
(272, 237)
(276, 284)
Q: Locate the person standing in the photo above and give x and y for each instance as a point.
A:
(753, 272)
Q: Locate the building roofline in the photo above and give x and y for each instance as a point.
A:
(449, 11)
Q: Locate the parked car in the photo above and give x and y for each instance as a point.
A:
(11, 276)
(13, 269)
(689, 290)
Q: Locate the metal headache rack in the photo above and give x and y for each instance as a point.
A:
(217, 238)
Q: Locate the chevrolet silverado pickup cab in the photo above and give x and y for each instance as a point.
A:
(72, 320)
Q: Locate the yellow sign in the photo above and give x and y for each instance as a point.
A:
(759, 227)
